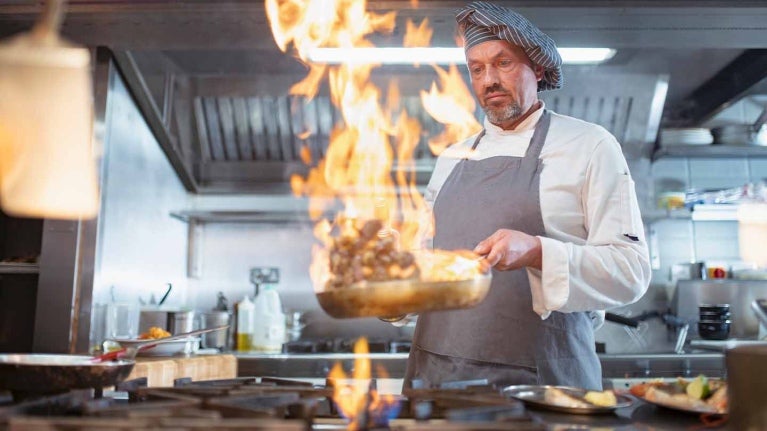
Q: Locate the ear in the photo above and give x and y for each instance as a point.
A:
(538, 69)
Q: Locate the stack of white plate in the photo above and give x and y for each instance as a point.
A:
(685, 136)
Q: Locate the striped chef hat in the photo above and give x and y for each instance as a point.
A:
(481, 21)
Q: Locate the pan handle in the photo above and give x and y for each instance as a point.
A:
(617, 318)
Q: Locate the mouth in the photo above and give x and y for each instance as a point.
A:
(492, 97)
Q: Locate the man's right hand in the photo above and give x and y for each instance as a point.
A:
(508, 249)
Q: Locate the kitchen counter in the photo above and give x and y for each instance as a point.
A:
(614, 366)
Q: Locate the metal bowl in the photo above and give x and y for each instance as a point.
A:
(395, 298)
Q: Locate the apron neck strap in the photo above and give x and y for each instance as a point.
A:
(539, 136)
(536, 142)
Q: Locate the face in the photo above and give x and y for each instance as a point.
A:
(504, 80)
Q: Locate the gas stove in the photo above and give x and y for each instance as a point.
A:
(261, 403)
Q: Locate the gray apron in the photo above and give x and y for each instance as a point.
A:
(502, 339)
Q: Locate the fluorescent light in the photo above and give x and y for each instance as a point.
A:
(436, 55)
(586, 55)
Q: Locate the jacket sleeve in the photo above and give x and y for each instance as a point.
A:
(612, 266)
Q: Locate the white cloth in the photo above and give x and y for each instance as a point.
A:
(589, 208)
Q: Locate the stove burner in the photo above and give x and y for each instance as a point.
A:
(259, 404)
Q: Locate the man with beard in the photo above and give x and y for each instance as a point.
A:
(548, 199)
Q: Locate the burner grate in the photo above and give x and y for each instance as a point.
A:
(263, 403)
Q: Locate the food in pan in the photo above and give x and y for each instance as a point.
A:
(154, 333)
(362, 253)
(700, 394)
(367, 252)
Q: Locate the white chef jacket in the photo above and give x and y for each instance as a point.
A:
(594, 253)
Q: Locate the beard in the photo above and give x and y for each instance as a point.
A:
(503, 114)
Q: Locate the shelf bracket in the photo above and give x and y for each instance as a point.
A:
(194, 249)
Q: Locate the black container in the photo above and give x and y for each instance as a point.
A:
(715, 315)
(714, 330)
(714, 308)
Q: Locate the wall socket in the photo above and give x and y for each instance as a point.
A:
(264, 275)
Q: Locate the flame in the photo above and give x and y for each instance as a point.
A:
(368, 167)
(417, 36)
(453, 106)
(356, 399)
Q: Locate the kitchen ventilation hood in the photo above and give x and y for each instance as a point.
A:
(245, 134)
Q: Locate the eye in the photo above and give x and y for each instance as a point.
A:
(475, 70)
(505, 63)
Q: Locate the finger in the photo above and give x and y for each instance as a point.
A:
(483, 247)
(484, 265)
(494, 257)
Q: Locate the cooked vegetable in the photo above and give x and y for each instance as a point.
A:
(602, 399)
(698, 388)
(153, 333)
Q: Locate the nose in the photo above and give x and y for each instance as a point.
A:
(490, 77)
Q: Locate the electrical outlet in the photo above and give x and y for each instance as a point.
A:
(264, 275)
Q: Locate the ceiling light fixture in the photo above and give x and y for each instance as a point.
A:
(435, 55)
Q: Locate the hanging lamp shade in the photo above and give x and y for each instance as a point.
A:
(47, 160)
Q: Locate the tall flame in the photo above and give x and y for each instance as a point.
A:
(368, 165)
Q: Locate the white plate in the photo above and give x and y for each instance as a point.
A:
(185, 346)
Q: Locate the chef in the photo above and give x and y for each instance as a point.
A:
(549, 200)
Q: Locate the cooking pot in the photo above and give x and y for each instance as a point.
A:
(742, 134)
(39, 374)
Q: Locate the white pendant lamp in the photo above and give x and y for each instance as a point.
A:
(47, 161)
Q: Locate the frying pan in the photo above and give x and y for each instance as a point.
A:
(25, 374)
(397, 298)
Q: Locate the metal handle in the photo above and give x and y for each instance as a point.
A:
(617, 318)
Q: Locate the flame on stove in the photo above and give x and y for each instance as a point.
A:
(368, 167)
(354, 396)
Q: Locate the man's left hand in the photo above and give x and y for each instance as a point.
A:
(511, 249)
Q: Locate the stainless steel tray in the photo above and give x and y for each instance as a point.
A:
(533, 395)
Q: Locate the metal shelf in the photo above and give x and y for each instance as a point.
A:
(242, 216)
(19, 268)
(710, 151)
(706, 212)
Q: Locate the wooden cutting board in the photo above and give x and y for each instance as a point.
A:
(161, 371)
